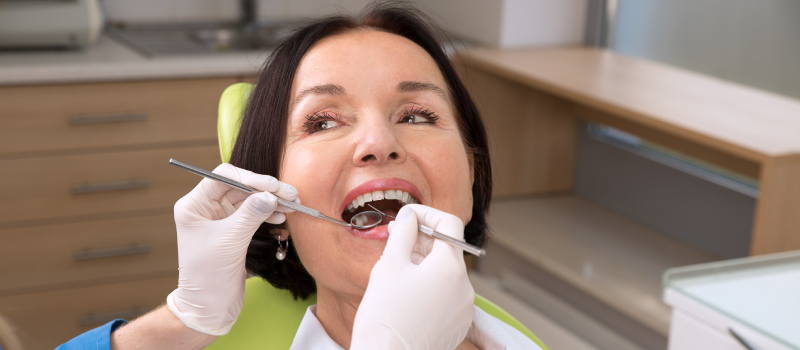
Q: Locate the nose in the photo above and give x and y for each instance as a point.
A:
(377, 144)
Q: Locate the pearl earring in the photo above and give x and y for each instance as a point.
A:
(281, 254)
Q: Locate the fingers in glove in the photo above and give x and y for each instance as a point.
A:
(289, 193)
(257, 208)
(422, 248)
(260, 182)
(215, 190)
(443, 254)
(439, 252)
(438, 220)
(402, 236)
(277, 217)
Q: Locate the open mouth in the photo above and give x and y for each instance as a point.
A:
(389, 202)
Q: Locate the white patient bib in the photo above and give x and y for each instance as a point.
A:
(486, 332)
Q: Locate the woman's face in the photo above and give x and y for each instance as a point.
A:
(369, 113)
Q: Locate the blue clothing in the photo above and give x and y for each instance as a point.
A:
(96, 339)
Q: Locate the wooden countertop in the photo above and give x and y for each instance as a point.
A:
(746, 122)
(108, 60)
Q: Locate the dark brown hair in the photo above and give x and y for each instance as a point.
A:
(260, 145)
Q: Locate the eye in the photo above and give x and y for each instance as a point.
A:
(323, 125)
(320, 122)
(418, 115)
(414, 119)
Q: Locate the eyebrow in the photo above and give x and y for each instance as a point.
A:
(327, 89)
(414, 86)
(338, 90)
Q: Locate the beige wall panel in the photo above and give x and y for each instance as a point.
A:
(777, 224)
(533, 141)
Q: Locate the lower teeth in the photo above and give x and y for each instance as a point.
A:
(361, 221)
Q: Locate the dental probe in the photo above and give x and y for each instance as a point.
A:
(469, 248)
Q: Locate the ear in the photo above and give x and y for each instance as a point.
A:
(281, 234)
(471, 160)
(471, 170)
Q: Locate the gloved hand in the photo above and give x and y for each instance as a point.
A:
(416, 306)
(215, 223)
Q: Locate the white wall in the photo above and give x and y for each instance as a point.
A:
(752, 42)
(512, 23)
(155, 11)
(503, 23)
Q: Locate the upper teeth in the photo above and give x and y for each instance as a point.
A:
(379, 195)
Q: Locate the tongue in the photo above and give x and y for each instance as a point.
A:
(387, 219)
(390, 212)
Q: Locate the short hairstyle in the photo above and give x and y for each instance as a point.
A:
(260, 144)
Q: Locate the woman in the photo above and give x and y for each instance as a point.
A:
(374, 114)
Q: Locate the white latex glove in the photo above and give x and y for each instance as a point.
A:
(416, 306)
(215, 223)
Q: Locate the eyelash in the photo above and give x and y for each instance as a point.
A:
(313, 119)
(418, 110)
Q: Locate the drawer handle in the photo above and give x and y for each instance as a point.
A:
(133, 249)
(107, 118)
(103, 318)
(110, 186)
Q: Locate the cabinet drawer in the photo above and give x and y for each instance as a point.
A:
(45, 320)
(56, 117)
(101, 183)
(70, 254)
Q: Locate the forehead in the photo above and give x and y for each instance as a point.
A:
(368, 59)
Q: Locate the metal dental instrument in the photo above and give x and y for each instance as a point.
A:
(372, 219)
(369, 219)
(469, 248)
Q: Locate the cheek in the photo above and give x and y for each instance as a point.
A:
(447, 170)
(331, 255)
(302, 167)
(336, 260)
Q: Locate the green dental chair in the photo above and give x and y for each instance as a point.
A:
(270, 317)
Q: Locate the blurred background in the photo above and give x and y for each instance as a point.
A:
(631, 138)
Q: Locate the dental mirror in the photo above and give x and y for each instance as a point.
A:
(366, 220)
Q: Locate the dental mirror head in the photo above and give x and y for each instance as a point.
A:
(366, 220)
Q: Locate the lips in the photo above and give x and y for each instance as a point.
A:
(378, 190)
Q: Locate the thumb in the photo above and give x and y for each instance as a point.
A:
(403, 233)
(255, 210)
(438, 220)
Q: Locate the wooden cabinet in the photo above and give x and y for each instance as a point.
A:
(96, 184)
(534, 99)
(43, 320)
(534, 102)
(71, 254)
(60, 118)
(86, 198)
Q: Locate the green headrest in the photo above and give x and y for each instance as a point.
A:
(231, 109)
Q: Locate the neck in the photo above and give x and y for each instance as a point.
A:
(337, 312)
